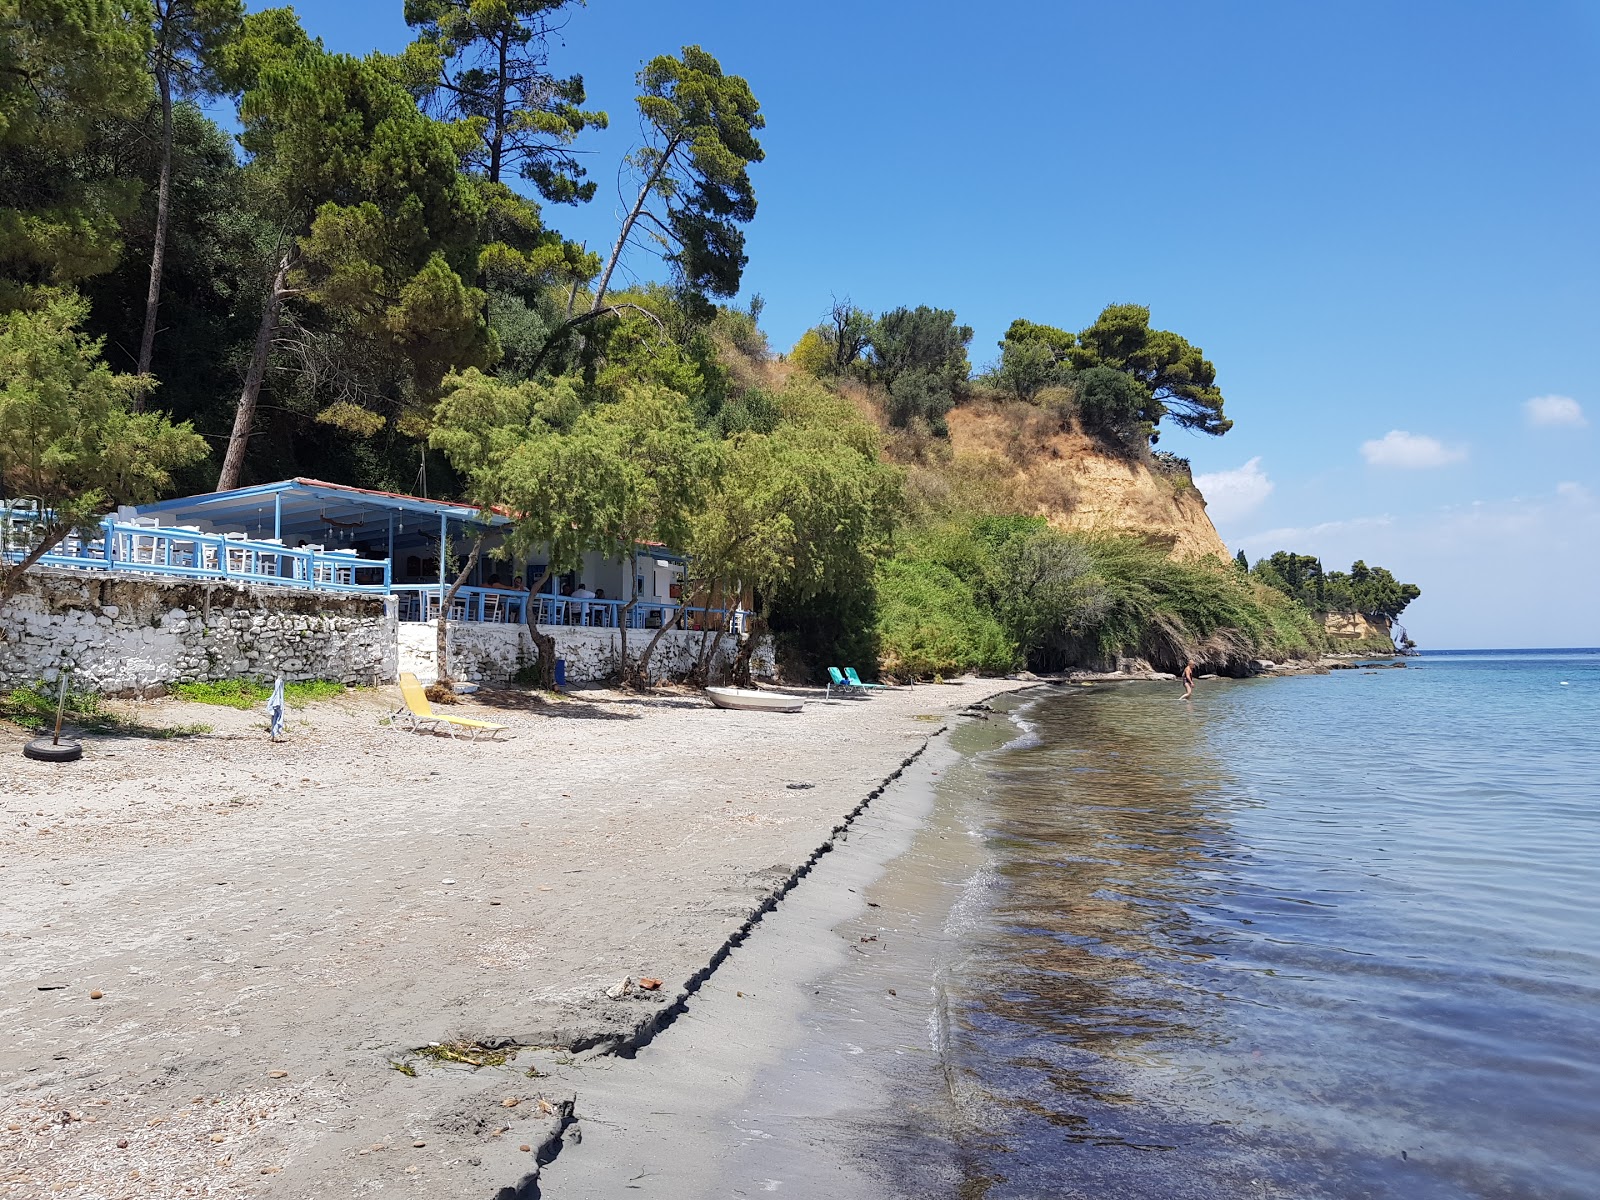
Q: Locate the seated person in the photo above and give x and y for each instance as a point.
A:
(517, 585)
(582, 593)
(494, 581)
(599, 593)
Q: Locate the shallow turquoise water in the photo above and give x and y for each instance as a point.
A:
(1331, 936)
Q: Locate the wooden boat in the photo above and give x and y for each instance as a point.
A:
(753, 701)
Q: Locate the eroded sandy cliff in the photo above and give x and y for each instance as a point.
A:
(1075, 482)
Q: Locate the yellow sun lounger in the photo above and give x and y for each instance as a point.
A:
(418, 715)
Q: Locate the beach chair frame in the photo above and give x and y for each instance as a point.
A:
(853, 677)
(838, 683)
(416, 715)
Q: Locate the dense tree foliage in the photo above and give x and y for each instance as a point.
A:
(920, 355)
(186, 41)
(1370, 590)
(695, 192)
(1180, 380)
(70, 70)
(800, 511)
(487, 65)
(70, 439)
(1167, 376)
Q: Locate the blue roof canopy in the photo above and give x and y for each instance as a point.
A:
(307, 504)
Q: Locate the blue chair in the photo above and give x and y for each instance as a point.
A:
(836, 680)
(850, 674)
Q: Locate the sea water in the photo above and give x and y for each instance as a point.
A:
(1313, 937)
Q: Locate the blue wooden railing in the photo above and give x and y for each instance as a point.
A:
(176, 551)
(420, 602)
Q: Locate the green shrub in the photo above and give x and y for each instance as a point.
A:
(34, 704)
(930, 624)
(1114, 406)
(1166, 610)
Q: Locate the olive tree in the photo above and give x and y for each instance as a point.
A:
(69, 435)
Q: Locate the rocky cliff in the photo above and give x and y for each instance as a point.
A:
(1355, 633)
(1021, 451)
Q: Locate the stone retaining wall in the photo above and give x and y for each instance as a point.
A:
(136, 636)
(490, 653)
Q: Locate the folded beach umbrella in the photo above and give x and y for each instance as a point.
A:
(275, 710)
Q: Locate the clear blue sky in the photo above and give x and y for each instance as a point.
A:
(1373, 217)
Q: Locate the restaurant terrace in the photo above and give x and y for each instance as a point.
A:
(309, 534)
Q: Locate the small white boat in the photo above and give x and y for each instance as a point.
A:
(753, 701)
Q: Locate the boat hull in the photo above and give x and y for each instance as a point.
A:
(746, 700)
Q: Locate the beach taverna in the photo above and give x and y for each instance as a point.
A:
(289, 551)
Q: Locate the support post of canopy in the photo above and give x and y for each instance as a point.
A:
(277, 514)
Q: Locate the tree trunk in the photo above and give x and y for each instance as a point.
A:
(441, 646)
(497, 127)
(741, 662)
(641, 670)
(628, 224)
(244, 418)
(158, 253)
(11, 573)
(698, 673)
(625, 612)
(544, 645)
(704, 669)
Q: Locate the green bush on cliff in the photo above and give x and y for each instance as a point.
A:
(996, 592)
(1166, 610)
(930, 624)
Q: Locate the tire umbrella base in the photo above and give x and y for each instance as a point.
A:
(43, 749)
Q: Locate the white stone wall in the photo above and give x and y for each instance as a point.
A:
(121, 635)
(490, 653)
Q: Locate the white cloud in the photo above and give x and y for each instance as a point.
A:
(1289, 537)
(1575, 492)
(1560, 412)
(1397, 448)
(1231, 494)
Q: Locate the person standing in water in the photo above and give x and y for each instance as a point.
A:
(1188, 679)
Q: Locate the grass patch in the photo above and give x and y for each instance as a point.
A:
(248, 693)
(405, 1068)
(33, 706)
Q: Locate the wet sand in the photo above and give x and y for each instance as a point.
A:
(277, 931)
(810, 1064)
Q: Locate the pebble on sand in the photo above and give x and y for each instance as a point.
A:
(510, 1102)
(96, 994)
(277, 1074)
(525, 1148)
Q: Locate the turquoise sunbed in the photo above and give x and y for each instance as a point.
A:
(850, 674)
(838, 681)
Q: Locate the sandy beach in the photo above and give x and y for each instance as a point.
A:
(361, 961)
